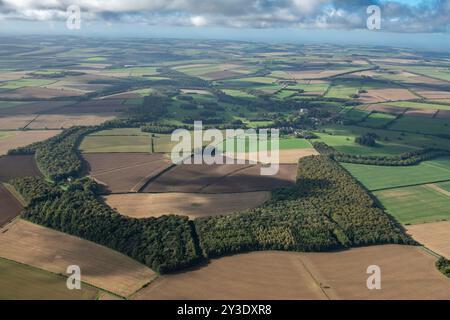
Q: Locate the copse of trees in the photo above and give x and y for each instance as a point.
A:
(368, 139)
(326, 210)
(443, 266)
(164, 244)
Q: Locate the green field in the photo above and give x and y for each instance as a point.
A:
(419, 105)
(21, 282)
(384, 177)
(120, 132)
(378, 120)
(391, 142)
(26, 83)
(284, 144)
(347, 144)
(422, 125)
(355, 114)
(116, 143)
(445, 186)
(413, 205)
(341, 91)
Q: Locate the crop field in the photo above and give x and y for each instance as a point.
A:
(221, 178)
(21, 282)
(384, 177)
(58, 121)
(434, 236)
(215, 71)
(107, 106)
(17, 166)
(125, 172)
(384, 95)
(9, 108)
(288, 275)
(385, 109)
(347, 144)
(10, 207)
(415, 205)
(15, 122)
(422, 125)
(419, 105)
(116, 143)
(15, 139)
(286, 156)
(378, 120)
(50, 250)
(196, 205)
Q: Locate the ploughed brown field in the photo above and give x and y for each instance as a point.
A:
(125, 172)
(382, 95)
(17, 167)
(386, 109)
(420, 112)
(406, 273)
(221, 178)
(443, 114)
(24, 138)
(435, 236)
(94, 107)
(58, 121)
(54, 251)
(10, 207)
(144, 205)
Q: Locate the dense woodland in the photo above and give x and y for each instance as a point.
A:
(327, 209)
(404, 159)
(164, 244)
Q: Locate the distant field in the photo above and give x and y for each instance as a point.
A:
(355, 114)
(115, 143)
(378, 120)
(284, 144)
(341, 91)
(419, 105)
(435, 236)
(422, 125)
(194, 205)
(53, 251)
(21, 282)
(292, 275)
(26, 83)
(58, 121)
(10, 207)
(14, 139)
(414, 205)
(347, 144)
(383, 177)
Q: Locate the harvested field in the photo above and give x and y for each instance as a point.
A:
(125, 172)
(15, 122)
(435, 236)
(420, 112)
(10, 207)
(94, 107)
(219, 75)
(434, 95)
(221, 178)
(407, 273)
(50, 250)
(17, 167)
(287, 156)
(58, 121)
(386, 109)
(29, 108)
(39, 93)
(21, 282)
(23, 138)
(196, 205)
(116, 143)
(383, 95)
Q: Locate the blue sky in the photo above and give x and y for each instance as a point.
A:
(407, 23)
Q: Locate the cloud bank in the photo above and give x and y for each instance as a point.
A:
(397, 16)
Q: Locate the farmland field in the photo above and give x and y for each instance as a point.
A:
(10, 207)
(193, 205)
(422, 125)
(17, 166)
(53, 251)
(414, 205)
(16, 139)
(116, 143)
(384, 177)
(434, 236)
(284, 275)
(27, 283)
(125, 172)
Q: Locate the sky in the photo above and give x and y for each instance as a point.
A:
(414, 23)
